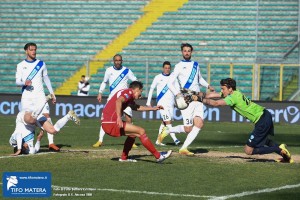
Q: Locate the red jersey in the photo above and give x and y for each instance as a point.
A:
(109, 114)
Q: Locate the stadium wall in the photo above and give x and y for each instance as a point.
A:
(88, 107)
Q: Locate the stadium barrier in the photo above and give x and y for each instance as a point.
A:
(88, 107)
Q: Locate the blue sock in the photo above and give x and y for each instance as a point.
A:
(266, 150)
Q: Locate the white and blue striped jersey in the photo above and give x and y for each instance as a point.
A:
(189, 76)
(164, 96)
(24, 71)
(117, 79)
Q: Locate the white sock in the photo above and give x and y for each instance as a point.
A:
(160, 129)
(172, 134)
(37, 146)
(61, 122)
(177, 129)
(190, 137)
(101, 134)
(50, 136)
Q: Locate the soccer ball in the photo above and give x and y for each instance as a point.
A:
(180, 102)
(87, 78)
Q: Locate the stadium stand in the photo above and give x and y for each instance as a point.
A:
(69, 33)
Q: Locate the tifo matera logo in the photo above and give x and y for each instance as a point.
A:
(12, 181)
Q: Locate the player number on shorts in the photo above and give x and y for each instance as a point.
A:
(189, 121)
(165, 117)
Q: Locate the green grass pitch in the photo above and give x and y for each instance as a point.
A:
(219, 170)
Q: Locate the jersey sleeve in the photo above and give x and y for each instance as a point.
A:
(19, 81)
(131, 76)
(104, 82)
(152, 87)
(172, 82)
(128, 95)
(45, 71)
(229, 100)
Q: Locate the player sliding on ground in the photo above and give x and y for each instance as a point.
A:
(26, 122)
(258, 141)
(113, 125)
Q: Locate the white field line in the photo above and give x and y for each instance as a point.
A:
(21, 156)
(74, 189)
(267, 190)
(217, 147)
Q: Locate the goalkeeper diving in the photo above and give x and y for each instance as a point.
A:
(259, 141)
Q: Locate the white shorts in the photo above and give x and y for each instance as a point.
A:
(128, 111)
(30, 104)
(46, 109)
(13, 139)
(195, 109)
(167, 113)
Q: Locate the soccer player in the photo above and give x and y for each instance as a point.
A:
(187, 72)
(30, 75)
(26, 122)
(258, 141)
(165, 98)
(114, 126)
(117, 77)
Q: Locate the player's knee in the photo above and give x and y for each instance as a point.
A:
(188, 129)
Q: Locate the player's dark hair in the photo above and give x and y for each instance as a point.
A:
(166, 63)
(29, 44)
(186, 45)
(117, 55)
(229, 83)
(136, 84)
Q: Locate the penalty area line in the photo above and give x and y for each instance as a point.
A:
(267, 190)
(60, 188)
(22, 156)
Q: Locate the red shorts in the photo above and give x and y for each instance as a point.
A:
(113, 130)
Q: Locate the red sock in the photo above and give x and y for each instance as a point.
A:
(148, 145)
(127, 147)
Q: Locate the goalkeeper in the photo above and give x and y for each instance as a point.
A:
(258, 141)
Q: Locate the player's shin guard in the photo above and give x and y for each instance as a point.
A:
(191, 137)
(149, 146)
(127, 147)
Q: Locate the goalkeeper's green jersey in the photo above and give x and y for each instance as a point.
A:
(244, 106)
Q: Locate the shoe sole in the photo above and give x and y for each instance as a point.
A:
(281, 160)
(128, 160)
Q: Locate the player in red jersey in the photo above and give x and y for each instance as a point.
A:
(114, 126)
